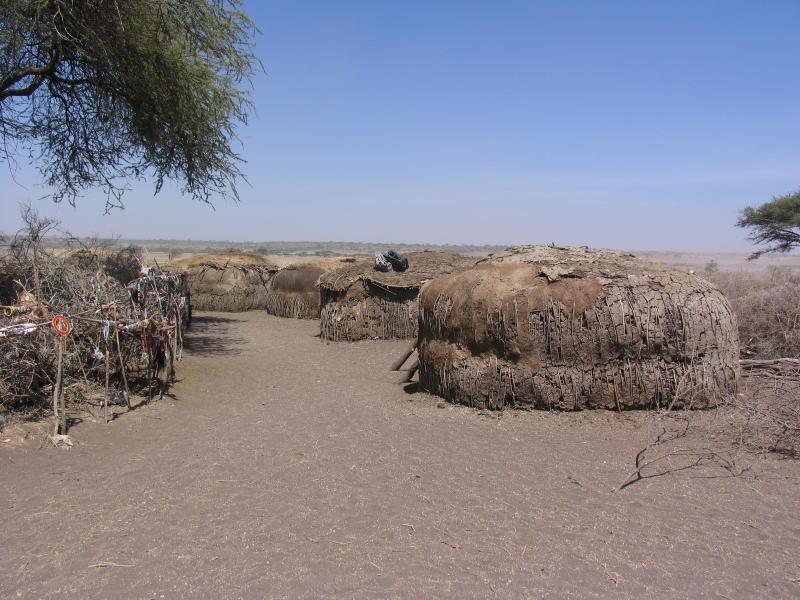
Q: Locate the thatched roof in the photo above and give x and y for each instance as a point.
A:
(422, 266)
(556, 262)
(220, 260)
(322, 262)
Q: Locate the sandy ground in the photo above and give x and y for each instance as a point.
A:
(288, 467)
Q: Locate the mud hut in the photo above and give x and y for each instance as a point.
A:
(574, 328)
(227, 282)
(292, 292)
(359, 302)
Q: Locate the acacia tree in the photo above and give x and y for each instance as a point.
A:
(775, 225)
(101, 91)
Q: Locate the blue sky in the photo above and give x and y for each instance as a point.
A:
(639, 125)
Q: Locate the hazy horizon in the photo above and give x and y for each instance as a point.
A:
(619, 125)
(313, 245)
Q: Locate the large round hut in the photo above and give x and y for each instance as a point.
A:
(360, 302)
(228, 281)
(574, 328)
(293, 292)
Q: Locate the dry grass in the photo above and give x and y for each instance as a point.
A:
(325, 263)
(232, 258)
(767, 306)
(765, 415)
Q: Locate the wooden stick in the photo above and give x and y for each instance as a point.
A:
(400, 361)
(747, 362)
(122, 369)
(57, 388)
(411, 371)
(151, 372)
(61, 391)
(105, 398)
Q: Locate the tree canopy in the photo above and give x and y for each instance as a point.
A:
(101, 91)
(774, 225)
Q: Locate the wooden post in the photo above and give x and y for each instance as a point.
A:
(122, 369)
(105, 398)
(399, 362)
(413, 369)
(57, 388)
(61, 391)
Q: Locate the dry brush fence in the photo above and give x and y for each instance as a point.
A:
(359, 302)
(123, 335)
(574, 328)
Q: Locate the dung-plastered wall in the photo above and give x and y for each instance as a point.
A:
(292, 292)
(574, 328)
(359, 302)
(227, 282)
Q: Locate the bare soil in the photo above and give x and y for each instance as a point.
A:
(285, 466)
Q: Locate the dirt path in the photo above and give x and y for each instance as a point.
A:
(287, 467)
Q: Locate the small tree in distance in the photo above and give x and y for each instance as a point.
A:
(101, 91)
(774, 225)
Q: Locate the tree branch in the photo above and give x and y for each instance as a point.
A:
(38, 73)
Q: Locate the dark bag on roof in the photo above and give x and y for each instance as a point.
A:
(399, 263)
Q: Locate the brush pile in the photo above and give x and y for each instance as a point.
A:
(86, 326)
(360, 302)
(573, 328)
(226, 282)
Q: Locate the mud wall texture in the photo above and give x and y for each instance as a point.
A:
(228, 288)
(292, 293)
(365, 311)
(573, 328)
(361, 303)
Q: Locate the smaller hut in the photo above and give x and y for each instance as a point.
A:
(359, 302)
(292, 292)
(227, 282)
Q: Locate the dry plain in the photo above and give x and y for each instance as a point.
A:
(285, 467)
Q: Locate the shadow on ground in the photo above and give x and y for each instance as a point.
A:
(210, 335)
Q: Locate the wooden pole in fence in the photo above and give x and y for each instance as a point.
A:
(105, 398)
(61, 391)
(57, 388)
(122, 369)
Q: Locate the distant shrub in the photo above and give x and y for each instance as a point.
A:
(711, 267)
